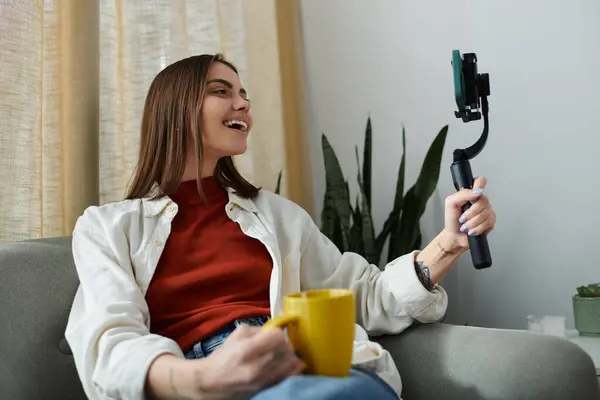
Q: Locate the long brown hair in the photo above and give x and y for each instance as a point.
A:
(171, 112)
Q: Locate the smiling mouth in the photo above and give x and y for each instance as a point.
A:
(236, 124)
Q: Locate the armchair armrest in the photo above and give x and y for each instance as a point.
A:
(460, 362)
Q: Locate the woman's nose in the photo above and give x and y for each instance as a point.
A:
(241, 103)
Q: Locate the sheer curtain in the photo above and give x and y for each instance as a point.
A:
(73, 77)
(48, 115)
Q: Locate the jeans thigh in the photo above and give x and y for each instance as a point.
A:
(359, 385)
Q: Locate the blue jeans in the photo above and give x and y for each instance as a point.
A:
(360, 385)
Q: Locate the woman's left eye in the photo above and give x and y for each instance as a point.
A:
(219, 91)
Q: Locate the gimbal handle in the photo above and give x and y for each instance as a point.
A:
(462, 176)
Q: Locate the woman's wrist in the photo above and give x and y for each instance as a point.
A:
(434, 261)
(173, 377)
(449, 242)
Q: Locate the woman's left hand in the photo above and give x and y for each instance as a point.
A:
(478, 219)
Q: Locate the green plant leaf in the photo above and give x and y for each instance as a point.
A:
(399, 196)
(367, 230)
(330, 220)
(591, 290)
(356, 241)
(390, 226)
(417, 196)
(278, 187)
(338, 237)
(337, 189)
(417, 243)
(367, 162)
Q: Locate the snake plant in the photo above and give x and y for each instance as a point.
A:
(350, 227)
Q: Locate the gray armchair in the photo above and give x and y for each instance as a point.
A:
(436, 361)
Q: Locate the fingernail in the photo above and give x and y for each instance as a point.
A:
(462, 219)
(472, 201)
(463, 228)
(478, 191)
(471, 232)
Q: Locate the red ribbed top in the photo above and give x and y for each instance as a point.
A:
(210, 273)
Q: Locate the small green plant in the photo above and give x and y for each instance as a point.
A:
(591, 290)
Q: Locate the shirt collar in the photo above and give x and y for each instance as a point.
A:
(152, 208)
(246, 204)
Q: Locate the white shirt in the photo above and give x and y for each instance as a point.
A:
(116, 248)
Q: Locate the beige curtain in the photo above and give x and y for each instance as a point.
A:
(48, 115)
(74, 75)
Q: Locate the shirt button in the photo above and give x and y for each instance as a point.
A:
(171, 208)
(157, 242)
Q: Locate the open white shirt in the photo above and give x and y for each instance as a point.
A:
(117, 246)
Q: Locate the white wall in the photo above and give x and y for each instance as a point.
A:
(391, 59)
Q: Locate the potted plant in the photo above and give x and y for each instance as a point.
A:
(586, 309)
(350, 226)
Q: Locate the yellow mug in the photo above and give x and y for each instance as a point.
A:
(320, 327)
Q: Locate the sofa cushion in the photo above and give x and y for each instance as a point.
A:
(37, 285)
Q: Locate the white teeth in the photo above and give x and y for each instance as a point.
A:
(232, 122)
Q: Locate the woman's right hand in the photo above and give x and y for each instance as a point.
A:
(249, 360)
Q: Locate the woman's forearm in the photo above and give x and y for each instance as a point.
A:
(436, 259)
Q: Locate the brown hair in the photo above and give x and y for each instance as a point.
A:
(171, 112)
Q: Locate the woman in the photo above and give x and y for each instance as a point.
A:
(177, 278)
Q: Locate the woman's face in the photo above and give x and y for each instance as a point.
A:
(226, 117)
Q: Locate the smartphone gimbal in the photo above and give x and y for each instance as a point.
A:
(470, 91)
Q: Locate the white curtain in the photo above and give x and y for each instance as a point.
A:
(73, 78)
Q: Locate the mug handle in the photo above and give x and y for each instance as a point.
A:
(280, 321)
